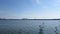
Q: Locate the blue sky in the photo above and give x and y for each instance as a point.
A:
(38, 9)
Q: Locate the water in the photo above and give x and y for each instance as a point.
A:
(31, 26)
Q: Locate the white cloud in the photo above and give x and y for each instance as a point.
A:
(57, 2)
(45, 7)
(38, 1)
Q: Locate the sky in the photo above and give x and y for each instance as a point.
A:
(33, 9)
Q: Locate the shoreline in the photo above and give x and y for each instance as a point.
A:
(29, 19)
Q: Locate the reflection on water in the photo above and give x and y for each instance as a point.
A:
(29, 27)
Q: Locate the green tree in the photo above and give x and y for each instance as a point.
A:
(56, 29)
(41, 31)
(19, 32)
(28, 33)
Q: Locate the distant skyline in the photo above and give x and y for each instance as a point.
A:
(34, 9)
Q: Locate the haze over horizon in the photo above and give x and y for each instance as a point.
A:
(33, 9)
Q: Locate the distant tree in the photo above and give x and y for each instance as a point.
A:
(56, 29)
(28, 33)
(19, 32)
(41, 29)
(11, 32)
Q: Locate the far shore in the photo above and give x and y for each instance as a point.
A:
(29, 19)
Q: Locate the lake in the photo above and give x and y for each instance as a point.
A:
(29, 26)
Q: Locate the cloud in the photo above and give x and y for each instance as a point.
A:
(36, 2)
(56, 5)
(56, 2)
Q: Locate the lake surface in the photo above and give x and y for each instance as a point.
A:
(31, 26)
